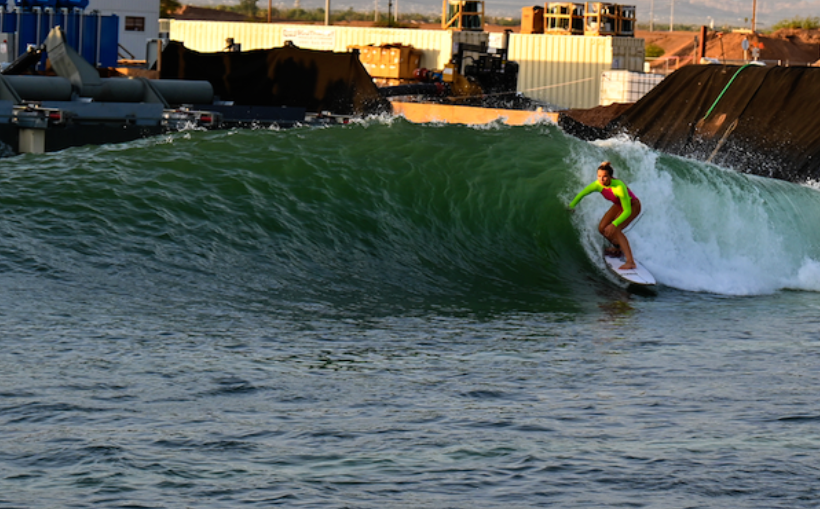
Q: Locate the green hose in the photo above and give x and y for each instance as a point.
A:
(724, 91)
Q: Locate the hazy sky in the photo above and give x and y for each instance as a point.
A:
(733, 12)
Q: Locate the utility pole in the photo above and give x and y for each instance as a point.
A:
(672, 17)
(651, 15)
(754, 14)
(327, 12)
(270, 6)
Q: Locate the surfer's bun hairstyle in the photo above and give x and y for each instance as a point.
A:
(607, 167)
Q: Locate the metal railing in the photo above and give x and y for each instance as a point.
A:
(675, 62)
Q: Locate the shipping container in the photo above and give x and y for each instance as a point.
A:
(565, 71)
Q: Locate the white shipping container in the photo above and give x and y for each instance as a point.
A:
(626, 86)
(565, 70)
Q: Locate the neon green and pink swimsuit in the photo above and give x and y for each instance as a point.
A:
(617, 193)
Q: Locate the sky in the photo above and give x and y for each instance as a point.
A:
(736, 13)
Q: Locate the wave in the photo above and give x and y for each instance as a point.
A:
(716, 230)
(385, 211)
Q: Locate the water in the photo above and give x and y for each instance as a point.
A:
(394, 315)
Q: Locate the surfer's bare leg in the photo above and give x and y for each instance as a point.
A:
(624, 243)
(613, 212)
(627, 250)
(636, 211)
(615, 234)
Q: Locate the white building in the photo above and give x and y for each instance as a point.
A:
(139, 21)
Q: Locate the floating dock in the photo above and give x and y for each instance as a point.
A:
(470, 115)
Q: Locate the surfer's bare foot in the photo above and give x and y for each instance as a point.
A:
(627, 266)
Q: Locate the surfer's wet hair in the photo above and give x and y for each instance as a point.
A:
(607, 167)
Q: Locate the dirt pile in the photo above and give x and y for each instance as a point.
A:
(788, 46)
(759, 120)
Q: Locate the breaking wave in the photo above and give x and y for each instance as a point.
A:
(385, 212)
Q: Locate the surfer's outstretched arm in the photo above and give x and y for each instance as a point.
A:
(594, 187)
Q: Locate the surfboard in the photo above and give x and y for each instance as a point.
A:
(637, 276)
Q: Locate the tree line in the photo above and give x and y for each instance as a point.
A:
(252, 10)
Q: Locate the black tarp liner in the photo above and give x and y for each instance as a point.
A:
(316, 80)
(767, 122)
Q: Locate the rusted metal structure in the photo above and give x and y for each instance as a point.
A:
(462, 15)
(564, 18)
(532, 20)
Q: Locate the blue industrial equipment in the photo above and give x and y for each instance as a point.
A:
(94, 36)
(29, 4)
(72, 4)
(8, 20)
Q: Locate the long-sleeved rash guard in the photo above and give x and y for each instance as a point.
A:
(617, 193)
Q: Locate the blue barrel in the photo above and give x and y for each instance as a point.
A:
(27, 33)
(88, 48)
(8, 22)
(109, 41)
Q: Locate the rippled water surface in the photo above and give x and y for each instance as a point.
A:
(390, 315)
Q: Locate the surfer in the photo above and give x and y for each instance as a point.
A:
(626, 207)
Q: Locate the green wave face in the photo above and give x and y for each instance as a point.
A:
(385, 214)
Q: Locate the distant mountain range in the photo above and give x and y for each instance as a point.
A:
(731, 13)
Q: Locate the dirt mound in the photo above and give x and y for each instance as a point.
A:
(788, 46)
(759, 120)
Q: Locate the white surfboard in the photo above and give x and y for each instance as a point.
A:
(637, 276)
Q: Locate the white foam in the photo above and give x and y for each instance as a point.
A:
(705, 228)
(808, 277)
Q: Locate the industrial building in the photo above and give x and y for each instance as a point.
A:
(139, 21)
(25, 23)
(202, 82)
(562, 70)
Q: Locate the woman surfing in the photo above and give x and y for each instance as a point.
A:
(626, 207)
